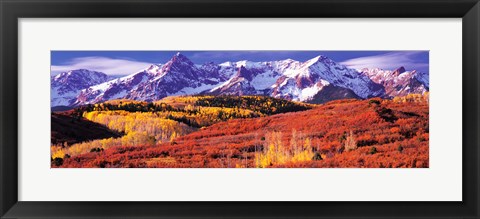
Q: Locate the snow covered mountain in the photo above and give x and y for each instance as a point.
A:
(399, 82)
(299, 81)
(179, 76)
(66, 86)
(317, 80)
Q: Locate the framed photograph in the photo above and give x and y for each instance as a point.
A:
(256, 109)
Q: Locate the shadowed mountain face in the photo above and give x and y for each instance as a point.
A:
(70, 129)
(331, 92)
(317, 80)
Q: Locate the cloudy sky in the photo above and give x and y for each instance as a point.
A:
(128, 62)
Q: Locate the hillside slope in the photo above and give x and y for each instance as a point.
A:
(66, 129)
(348, 133)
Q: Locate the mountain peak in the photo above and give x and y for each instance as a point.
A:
(79, 73)
(82, 70)
(399, 70)
(178, 57)
(317, 59)
(65, 86)
(244, 73)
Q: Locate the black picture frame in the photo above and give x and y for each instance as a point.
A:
(12, 10)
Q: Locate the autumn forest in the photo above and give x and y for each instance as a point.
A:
(243, 132)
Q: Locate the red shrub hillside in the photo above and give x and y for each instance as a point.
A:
(371, 133)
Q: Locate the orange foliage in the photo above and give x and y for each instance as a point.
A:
(340, 134)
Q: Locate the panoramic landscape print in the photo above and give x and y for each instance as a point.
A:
(239, 109)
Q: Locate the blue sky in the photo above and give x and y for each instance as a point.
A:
(128, 62)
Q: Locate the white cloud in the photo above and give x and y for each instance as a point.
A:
(106, 65)
(389, 61)
(234, 55)
(220, 54)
